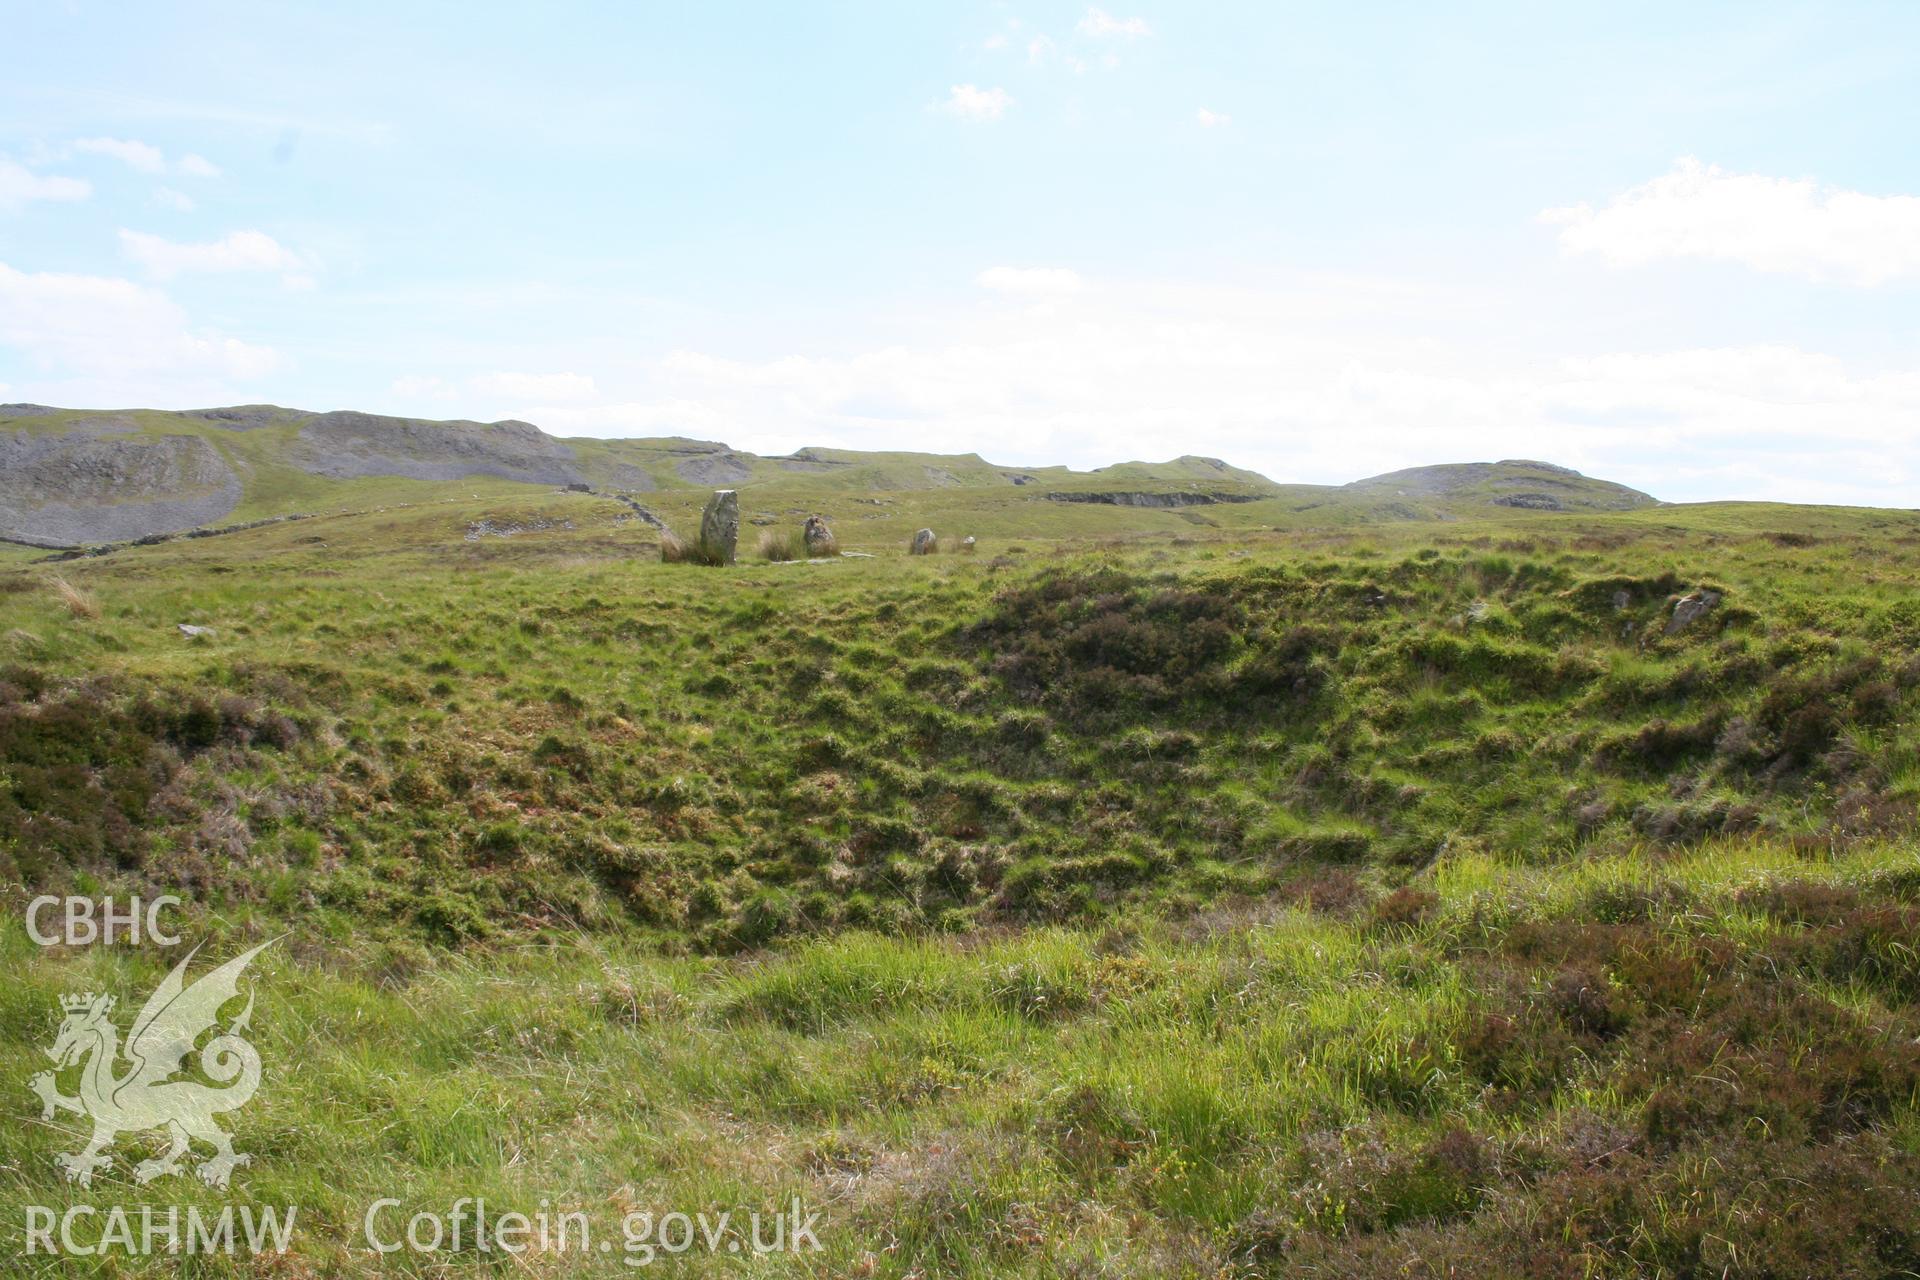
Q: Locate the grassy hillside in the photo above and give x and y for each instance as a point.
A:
(1519, 483)
(1230, 890)
(78, 477)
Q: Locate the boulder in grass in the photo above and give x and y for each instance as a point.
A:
(818, 537)
(1690, 608)
(924, 543)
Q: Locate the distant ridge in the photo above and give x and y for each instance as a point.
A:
(77, 476)
(1513, 482)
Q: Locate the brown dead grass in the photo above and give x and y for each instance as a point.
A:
(79, 603)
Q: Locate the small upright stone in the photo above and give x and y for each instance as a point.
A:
(720, 527)
(967, 544)
(924, 543)
(819, 538)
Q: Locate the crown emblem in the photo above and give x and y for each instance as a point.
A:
(82, 1003)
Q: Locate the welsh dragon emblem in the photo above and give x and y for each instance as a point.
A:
(147, 1096)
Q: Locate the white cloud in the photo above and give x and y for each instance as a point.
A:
(135, 155)
(564, 388)
(178, 201)
(968, 102)
(238, 251)
(144, 157)
(19, 185)
(1212, 119)
(1306, 383)
(1101, 25)
(1039, 49)
(104, 328)
(1030, 281)
(1782, 225)
(998, 40)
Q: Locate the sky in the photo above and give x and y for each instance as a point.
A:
(1676, 246)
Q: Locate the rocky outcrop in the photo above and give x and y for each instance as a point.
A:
(346, 444)
(249, 417)
(1142, 498)
(624, 475)
(720, 528)
(95, 484)
(719, 467)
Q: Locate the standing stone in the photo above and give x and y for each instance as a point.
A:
(924, 544)
(720, 527)
(967, 544)
(819, 538)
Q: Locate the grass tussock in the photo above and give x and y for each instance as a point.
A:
(78, 603)
(780, 546)
(677, 550)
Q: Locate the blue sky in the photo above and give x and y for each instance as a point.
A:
(1681, 249)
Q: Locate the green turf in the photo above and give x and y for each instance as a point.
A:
(1283, 891)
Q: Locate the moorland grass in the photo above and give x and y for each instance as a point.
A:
(1294, 902)
(1246, 1090)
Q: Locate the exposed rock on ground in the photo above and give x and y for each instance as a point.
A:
(507, 528)
(714, 468)
(93, 484)
(345, 444)
(1690, 608)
